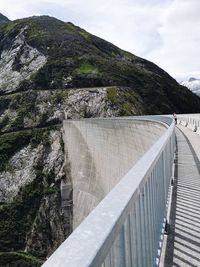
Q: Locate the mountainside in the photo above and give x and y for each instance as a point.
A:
(50, 71)
(45, 53)
(192, 84)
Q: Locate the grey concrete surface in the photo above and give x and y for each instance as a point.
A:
(183, 246)
(100, 152)
(191, 121)
(193, 137)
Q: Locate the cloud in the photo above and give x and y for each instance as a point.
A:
(163, 31)
(179, 32)
(130, 24)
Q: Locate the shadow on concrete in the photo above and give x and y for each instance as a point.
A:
(168, 262)
(183, 244)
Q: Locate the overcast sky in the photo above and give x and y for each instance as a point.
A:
(166, 32)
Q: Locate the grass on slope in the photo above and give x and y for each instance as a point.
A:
(18, 259)
(126, 100)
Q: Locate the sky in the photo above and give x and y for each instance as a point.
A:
(166, 32)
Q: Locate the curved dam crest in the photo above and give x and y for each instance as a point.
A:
(100, 152)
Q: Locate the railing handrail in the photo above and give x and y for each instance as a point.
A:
(90, 242)
(190, 120)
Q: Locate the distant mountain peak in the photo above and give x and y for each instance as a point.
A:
(192, 79)
(3, 19)
(193, 84)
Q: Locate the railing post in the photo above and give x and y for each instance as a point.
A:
(139, 234)
(127, 242)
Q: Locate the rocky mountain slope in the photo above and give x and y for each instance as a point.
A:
(193, 84)
(35, 216)
(51, 70)
(45, 53)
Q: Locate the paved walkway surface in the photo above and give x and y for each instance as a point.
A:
(183, 243)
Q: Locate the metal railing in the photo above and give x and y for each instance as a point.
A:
(191, 121)
(126, 228)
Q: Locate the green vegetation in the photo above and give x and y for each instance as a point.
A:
(85, 35)
(59, 97)
(17, 217)
(23, 101)
(126, 100)
(24, 109)
(113, 95)
(10, 143)
(4, 121)
(86, 68)
(40, 136)
(18, 122)
(18, 259)
(7, 28)
(22, 104)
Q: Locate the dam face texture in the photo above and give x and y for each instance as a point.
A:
(100, 152)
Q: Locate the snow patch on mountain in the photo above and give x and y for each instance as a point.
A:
(193, 84)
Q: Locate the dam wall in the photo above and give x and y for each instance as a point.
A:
(100, 152)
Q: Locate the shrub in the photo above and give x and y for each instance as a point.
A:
(17, 259)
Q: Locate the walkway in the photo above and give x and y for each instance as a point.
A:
(183, 244)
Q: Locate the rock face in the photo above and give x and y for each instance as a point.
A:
(47, 232)
(49, 228)
(32, 109)
(31, 184)
(192, 84)
(18, 62)
(102, 102)
(44, 108)
(89, 103)
(23, 166)
(22, 172)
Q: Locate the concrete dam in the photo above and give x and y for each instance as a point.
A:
(100, 152)
(136, 184)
